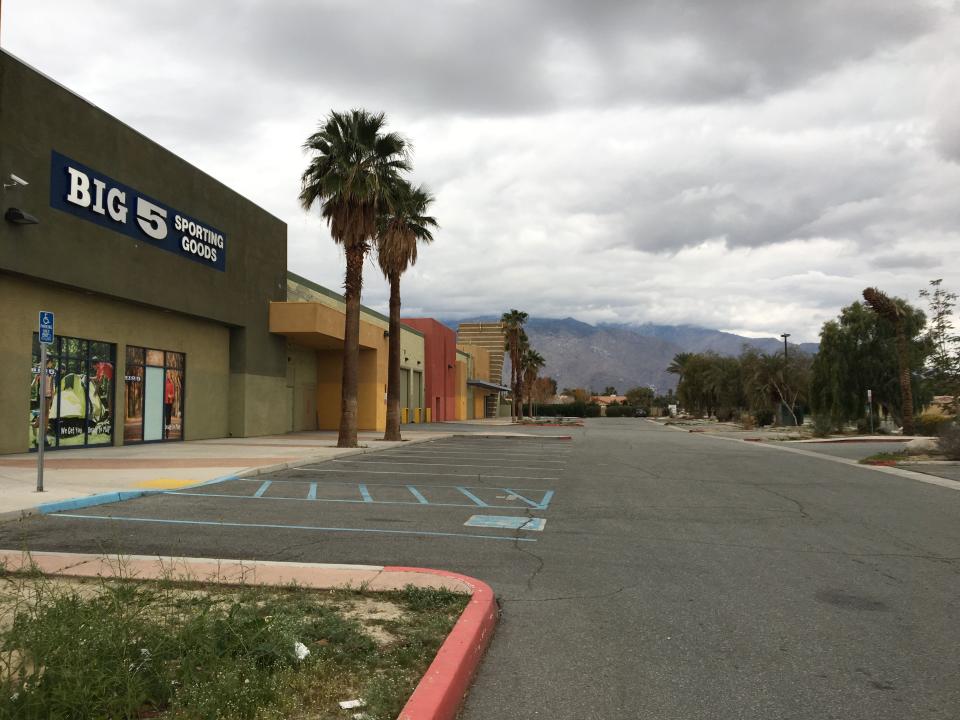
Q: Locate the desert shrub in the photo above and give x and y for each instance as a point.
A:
(822, 425)
(949, 442)
(747, 421)
(931, 424)
(763, 417)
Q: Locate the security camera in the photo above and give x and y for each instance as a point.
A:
(17, 181)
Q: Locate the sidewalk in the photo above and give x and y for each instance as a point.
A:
(70, 474)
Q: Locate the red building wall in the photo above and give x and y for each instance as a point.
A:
(440, 373)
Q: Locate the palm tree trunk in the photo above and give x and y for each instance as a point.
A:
(515, 363)
(906, 390)
(353, 284)
(393, 363)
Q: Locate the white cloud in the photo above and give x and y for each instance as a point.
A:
(703, 163)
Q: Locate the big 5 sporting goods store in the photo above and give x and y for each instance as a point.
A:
(160, 278)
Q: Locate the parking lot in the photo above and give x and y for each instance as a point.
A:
(472, 488)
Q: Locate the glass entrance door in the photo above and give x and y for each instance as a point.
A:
(154, 395)
(153, 405)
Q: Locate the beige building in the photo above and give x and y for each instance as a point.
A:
(312, 321)
(490, 337)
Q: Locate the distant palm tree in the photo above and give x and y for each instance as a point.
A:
(891, 311)
(354, 162)
(513, 326)
(531, 362)
(402, 226)
(678, 366)
(678, 363)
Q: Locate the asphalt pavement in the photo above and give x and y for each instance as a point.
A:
(642, 572)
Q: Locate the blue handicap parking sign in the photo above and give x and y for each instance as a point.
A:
(46, 327)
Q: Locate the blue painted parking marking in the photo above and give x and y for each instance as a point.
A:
(506, 522)
(418, 495)
(367, 494)
(529, 502)
(478, 501)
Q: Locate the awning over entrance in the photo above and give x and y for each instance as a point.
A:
(488, 385)
(319, 326)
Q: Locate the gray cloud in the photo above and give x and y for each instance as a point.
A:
(504, 57)
(733, 163)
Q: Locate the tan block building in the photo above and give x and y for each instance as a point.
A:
(489, 337)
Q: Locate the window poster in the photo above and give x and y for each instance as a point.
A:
(76, 388)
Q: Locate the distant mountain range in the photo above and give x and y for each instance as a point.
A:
(596, 356)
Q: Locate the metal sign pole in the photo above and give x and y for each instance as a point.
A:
(42, 426)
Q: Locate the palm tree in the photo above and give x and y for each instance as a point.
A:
(404, 224)
(679, 365)
(513, 326)
(893, 313)
(354, 162)
(531, 362)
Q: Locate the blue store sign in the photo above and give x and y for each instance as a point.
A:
(91, 195)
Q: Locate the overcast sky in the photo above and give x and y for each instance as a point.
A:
(737, 164)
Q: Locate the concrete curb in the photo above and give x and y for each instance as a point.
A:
(114, 496)
(441, 691)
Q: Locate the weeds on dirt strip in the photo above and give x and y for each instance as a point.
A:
(129, 649)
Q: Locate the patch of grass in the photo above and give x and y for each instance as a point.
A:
(126, 649)
(885, 458)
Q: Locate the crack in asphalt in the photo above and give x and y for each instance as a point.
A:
(803, 511)
(520, 548)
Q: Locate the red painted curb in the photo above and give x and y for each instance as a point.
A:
(444, 686)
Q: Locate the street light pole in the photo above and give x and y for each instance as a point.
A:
(786, 367)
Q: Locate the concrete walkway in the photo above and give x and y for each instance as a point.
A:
(70, 474)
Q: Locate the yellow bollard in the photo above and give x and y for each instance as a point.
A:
(428, 415)
(416, 415)
(403, 415)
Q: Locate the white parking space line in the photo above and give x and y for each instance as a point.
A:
(423, 464)
(436, 474)
(472, 456)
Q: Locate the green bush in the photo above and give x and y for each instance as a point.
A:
(931, 424)
(574, 409)
(621, 411)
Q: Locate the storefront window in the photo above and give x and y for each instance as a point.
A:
(154, 395)
(77, 390)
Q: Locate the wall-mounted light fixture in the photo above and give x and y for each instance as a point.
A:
(19, 217)
(386, 333)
